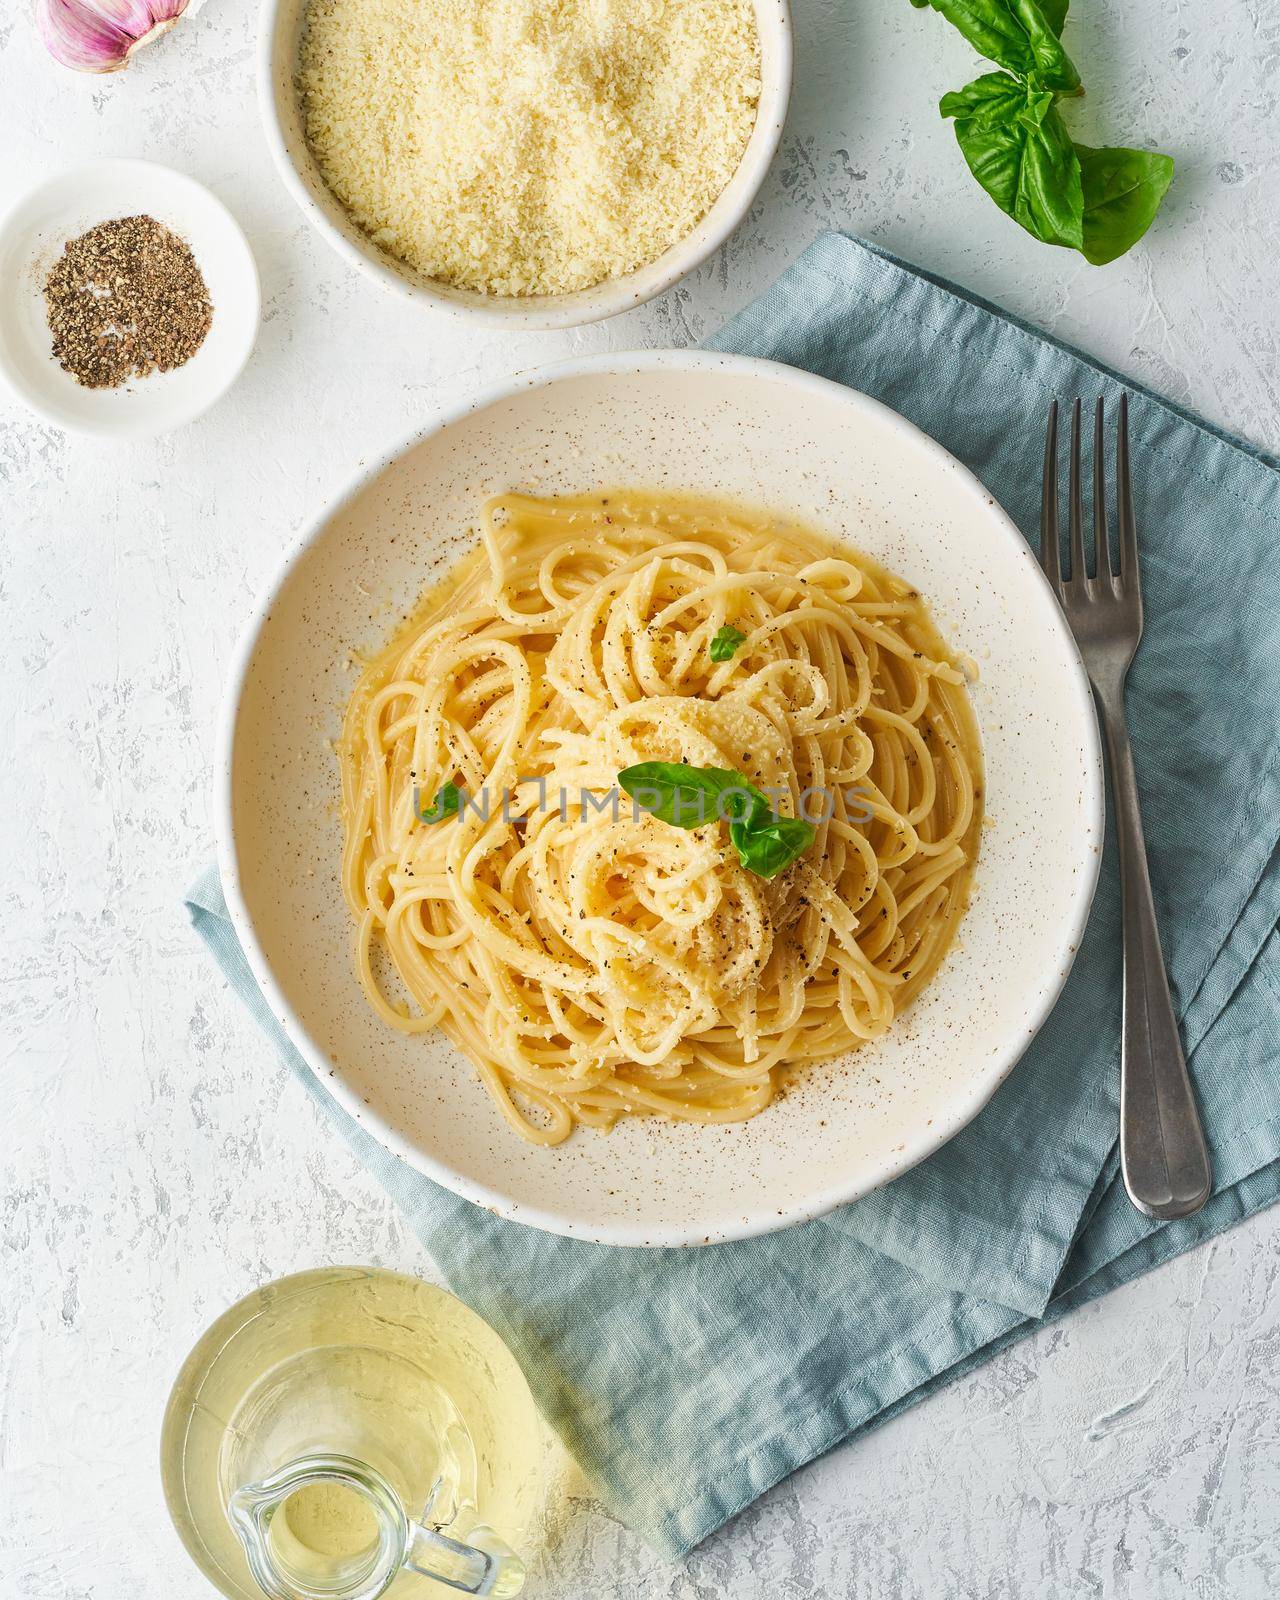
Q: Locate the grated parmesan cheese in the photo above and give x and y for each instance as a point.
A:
(525, 147)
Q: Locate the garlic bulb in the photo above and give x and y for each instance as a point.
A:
(101, 35)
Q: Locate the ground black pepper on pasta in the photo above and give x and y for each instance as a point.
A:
(124, 300)
(847, 683)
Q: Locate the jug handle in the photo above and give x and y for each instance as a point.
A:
(484, 1566)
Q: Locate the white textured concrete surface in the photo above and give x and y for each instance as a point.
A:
(155, 1162)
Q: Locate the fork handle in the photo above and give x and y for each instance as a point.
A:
(1162, 1148)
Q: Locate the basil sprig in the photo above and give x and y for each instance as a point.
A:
(726, 644)
(1011, 134)
(692, 797)
(447, 803)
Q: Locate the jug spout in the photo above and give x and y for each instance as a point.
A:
(377, 1540)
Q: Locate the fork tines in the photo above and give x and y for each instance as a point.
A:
(1080, 583)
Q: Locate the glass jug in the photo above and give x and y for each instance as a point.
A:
(348, 1433)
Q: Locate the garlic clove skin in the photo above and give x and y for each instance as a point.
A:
(101, 35)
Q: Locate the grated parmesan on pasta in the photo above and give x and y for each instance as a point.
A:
(524, 147)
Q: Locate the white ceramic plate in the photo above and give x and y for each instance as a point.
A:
(282, 121)
(720, 425)
(32, 237)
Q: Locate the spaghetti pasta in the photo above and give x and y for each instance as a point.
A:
(591, 960)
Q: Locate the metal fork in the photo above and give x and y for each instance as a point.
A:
(1162, 1149)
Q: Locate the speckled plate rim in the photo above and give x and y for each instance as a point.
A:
(872, 1175)
(539, 312)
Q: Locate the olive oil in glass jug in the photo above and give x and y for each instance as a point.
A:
(347, 1433)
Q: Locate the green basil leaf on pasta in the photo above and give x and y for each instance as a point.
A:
(726, 644)
(768, 847)
(692, 797)
(447, 803)
(688, 797)
(1122, 193)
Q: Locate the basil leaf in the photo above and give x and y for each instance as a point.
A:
(688, 797)
(447, 803)
(691, 797)
(1042, 24)
(726, 644)
(1017, 148)
(993, 98)
(1122, 193)
(1020, 35)
(769, 847)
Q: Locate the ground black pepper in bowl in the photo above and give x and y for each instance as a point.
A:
(126, 299)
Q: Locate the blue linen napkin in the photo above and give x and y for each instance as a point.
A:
(688, 1382)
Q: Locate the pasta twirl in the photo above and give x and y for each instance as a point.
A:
(592, 961)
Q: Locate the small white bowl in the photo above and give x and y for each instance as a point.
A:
(282, 118)
(32, 237)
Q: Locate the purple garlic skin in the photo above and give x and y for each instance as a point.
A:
(101, 35)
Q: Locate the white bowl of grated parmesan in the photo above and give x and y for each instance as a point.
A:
(532, 165)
